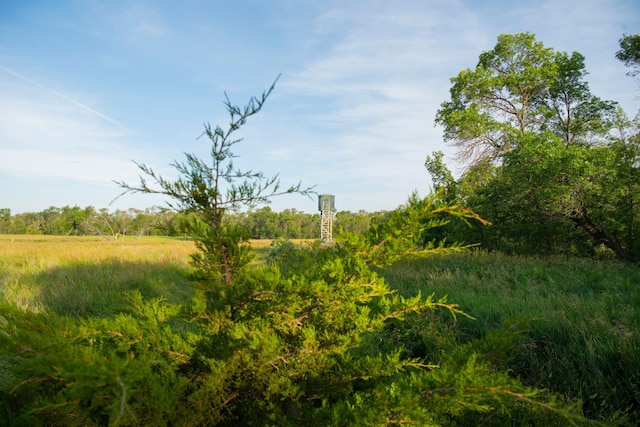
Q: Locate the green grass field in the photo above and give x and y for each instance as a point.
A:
(578, 321)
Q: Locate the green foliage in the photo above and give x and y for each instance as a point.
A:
(566, 325)
(351, 222)
(408, 230)
(552, 167)
(119, 371)
(313, 337)
(571, 184)
(629, 53)
(286, 255)
(551, 198)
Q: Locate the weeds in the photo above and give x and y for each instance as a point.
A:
(583, 317)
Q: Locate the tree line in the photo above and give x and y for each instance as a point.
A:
(262, 223)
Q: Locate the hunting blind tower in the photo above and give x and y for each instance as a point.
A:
(326, 206)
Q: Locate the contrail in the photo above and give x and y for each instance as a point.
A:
(66, 98)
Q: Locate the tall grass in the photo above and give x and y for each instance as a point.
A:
(83, 276)
(582, 319)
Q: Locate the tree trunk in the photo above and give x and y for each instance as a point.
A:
(600, 236)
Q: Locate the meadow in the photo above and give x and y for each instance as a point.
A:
(576, 322)
(89, 276)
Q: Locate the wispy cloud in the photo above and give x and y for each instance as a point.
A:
(121, 21)
(62, 96)
(382, 80)
(46, 134)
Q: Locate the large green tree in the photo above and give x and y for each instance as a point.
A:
(559, 155)
(520, 86)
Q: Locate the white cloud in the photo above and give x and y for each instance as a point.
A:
(45, 134)
(382, 83)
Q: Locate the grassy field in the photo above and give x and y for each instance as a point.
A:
(578, 320)
(82, 276)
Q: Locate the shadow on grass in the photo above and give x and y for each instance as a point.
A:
(101, 289)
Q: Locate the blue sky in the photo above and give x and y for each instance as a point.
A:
(88, 86)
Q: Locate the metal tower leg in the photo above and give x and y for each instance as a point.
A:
(326, 225)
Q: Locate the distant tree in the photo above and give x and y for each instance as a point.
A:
(264, 224)
(70, 221)
(101, 223)
(18, 224)
(144, 222)
(441, 177)
(48, 218)
(292, 223)
(347, 221)
(5, 217)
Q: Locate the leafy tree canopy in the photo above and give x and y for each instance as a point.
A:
(629, 53)
(549, 164)
(520, 86)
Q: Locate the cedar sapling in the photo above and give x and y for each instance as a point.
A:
(209, 188)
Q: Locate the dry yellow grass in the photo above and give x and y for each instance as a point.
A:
(40, 273)
(54, 250)
(81, 275)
